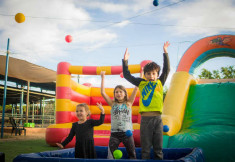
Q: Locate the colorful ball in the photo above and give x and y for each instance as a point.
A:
(19, 17)
(68, 38)
(129, 133)
(117, 154)
(165, 128)
(155, 3)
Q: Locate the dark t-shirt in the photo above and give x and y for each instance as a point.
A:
(136, 80)
(84, 147)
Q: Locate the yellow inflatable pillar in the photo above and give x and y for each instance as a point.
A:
(175, 101)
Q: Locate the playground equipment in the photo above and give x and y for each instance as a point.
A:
(197, 114)
(69, 94)
(202, 112)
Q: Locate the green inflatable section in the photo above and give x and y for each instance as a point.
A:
(209, 122)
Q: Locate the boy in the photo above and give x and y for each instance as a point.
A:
(151, 103)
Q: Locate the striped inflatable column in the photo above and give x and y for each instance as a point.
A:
(63, 93)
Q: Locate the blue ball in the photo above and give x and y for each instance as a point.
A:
(155, 3)
(129, 133)
(165, 128)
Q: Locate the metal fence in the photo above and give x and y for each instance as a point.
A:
(40, 121)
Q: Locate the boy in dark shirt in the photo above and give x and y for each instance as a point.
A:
(151, 103)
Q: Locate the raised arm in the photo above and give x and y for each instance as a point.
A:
(166, 64)
(100, 107)
(106, 97)
(126, 73)
(102, 116)
(132, 97)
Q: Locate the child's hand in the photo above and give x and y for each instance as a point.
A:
(100, 107)
(166, 44)
(102, 74)
(59, 145)
(126, 55)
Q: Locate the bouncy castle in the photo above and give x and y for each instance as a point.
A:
(69, 94)
(198, 113)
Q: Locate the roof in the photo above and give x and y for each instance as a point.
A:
(20, 72)
(26, 71)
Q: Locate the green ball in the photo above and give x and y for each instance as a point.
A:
(117, 154)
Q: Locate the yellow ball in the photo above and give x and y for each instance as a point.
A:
(19, 17)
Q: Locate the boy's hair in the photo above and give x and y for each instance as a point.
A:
(85, 107)
(152, 66)
(122, 88)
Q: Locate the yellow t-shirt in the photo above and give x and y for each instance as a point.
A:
(151, 96)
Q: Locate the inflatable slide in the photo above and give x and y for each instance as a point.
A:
(201, 112)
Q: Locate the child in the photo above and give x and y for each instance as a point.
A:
(83, 130)
(151, 103)
(121, 118)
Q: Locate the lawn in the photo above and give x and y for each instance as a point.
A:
(15, 148)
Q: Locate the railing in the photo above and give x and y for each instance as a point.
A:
(41, 121)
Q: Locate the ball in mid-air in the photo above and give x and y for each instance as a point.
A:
(68, 38)
(155, 3)
(19, 17)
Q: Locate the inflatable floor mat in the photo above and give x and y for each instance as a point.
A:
(170, 155)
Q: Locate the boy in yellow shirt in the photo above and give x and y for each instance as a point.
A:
(151, 103)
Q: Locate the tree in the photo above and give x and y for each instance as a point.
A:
(228, 72)
(224, 73)
(216, 74)
(205, 74)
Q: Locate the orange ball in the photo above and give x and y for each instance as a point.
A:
(19, 17)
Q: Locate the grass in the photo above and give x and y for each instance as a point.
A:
(15, 148)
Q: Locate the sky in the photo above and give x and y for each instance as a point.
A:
(103, 29)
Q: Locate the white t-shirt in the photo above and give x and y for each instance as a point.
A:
(121, 118)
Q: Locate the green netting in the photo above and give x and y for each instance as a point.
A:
(209, 121)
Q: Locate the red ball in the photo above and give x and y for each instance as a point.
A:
(68, 38)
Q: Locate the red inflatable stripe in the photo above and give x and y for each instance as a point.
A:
(116, 69)
(94, 100)
(65, 117)
(89, 70)
(77, 97)
(136, 101)
(63, 93)
(63, 68)
(55, 135)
